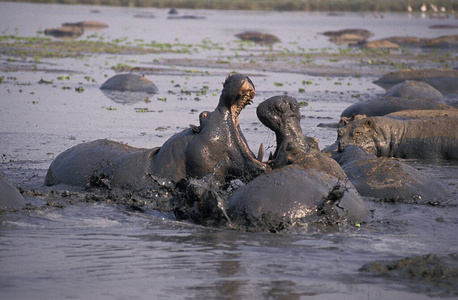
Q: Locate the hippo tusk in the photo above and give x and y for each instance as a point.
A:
(261, 152)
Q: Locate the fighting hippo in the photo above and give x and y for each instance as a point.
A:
(386, 105)
(387, 179)
(215, 147)
(416, 138)
(304, 186)
(444, 80)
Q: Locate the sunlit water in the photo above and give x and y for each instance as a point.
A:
(97, 251)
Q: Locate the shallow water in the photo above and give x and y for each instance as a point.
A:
(99, 250)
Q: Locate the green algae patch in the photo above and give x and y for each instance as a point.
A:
(39, 47)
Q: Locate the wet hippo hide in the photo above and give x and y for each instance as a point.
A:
(387, 179)
(304, 185)
(421, 138)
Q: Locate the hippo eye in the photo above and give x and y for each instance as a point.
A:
(204, 115)
(357, 132)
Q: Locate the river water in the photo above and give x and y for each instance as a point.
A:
(96, 250)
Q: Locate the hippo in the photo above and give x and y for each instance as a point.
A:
(129, 83)
(387, 179)
(87, 24)
(379, 44)
(303, 187)
(444, 80)
(65, 32)
(348, 36)
(417, 138)
(258, 37)
(10, 198)
(216, 147)
(386, 105)
(414, 89)
(422, 114)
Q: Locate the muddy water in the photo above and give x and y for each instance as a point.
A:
(98, 250)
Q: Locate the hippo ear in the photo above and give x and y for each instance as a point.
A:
(369, 123)
(195, 128)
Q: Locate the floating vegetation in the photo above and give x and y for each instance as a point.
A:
(64, 77)
(43, 81)
(142, 110)
(79, 89)
(111, 108)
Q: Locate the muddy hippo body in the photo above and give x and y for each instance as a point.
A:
(303, 184)
(430, 138)
(386, 105)
(216, 147)
(387, 179)
(78, 164)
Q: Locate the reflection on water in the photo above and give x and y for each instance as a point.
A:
(127, 97)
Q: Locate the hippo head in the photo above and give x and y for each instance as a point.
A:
(238, 92)
(282, 115)
(220, 148)
(360, 132)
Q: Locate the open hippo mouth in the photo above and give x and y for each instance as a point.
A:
(243, 98)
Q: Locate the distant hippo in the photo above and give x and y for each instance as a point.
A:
(387, 179)
(423, 138)
(10, 198)
(414, 89)
(129, 83)
(65, 32)
(87, 24)
(258, 37)
(444, 80)
(215, 147)
(386, 105)
(349, 36)
(304, 186)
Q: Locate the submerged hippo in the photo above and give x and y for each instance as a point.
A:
(386, 105)
(387, 179)
(304, 186)
(129, 83)
(216, 147)
(414, 89)
(418, 138)
(444, 80)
